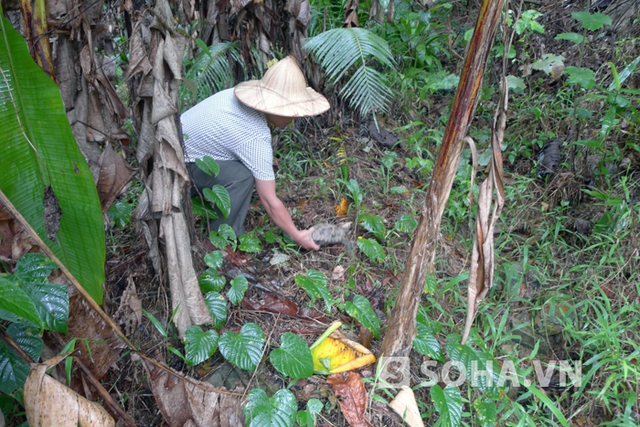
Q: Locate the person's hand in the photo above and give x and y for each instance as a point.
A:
(304, 239)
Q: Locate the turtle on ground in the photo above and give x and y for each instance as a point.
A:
(329, 234)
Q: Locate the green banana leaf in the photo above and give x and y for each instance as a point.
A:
(38, 155)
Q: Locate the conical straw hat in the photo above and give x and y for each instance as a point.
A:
(282, 91)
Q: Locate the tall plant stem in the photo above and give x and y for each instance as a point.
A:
(401, 331)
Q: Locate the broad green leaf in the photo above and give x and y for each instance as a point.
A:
(217, 306)
(547, 60)
(406, 223)
(361, 310)
(432, 326)
(203, 210)
(590, 21)
(315, 283)
(13, 370)
(226, 232)
(28, 338)
(208, 165)
(39, 151)
(516, 84)
(219, 196)
(374, 224)
(426, 342)
(486, 412)
(277, 411)
(583, 77)
(448, 403)
(34, 267)
(16, 305)
(199, 345)
(219, 240)
(269, 236)
(249, 244)
(572, 37)
(120, 213)
(527, 21)
(293, 358)
(211, 281)
(307, 418)
(51, 302)
(214, 259)
(371, 249)
(244, 349)
(239, 286)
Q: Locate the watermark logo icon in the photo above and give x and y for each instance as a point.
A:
(394, 372)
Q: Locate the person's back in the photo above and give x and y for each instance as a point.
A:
(223, 128)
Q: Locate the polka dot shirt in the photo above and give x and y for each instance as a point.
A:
(223, 128)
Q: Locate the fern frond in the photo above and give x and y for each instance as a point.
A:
(367, 90)
(340, 49)
(210, 72)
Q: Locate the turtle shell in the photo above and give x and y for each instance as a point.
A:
(329, 234)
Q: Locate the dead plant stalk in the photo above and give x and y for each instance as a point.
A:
(401, 330)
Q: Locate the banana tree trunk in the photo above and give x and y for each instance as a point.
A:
(399, 335)
(154, 74)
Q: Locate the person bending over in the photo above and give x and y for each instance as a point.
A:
(232, 127)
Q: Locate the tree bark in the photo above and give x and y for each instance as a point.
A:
(399, 335)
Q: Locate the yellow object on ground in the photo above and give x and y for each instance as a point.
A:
(333, 353)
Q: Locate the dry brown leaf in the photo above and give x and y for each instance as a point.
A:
(342, 208)
(114, 174)
(4, 214)
(104, 349)
(351, 15)
(6, 240)
(303, 206)
(22, 243)
(49, 403)
(130, 311)
(482, 257)
(406, 406)
(138, 61)
(184, 401)
(338, 273)
(348, 386)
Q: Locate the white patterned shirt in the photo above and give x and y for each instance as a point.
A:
(223, 128)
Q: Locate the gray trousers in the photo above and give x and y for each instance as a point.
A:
(237, 179)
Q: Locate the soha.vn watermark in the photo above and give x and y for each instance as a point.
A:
(395, 373)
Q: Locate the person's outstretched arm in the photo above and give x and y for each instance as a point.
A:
(280, 215)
